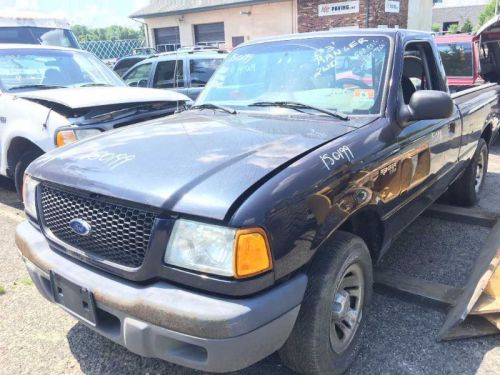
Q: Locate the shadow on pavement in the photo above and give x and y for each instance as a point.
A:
(8, 193)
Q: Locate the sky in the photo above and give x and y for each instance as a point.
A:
(94, 13)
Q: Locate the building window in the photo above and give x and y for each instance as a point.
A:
(167, 38)
(237, 40)
(209, 34)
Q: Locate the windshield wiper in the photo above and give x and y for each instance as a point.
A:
(93, 84)
(214, 106)
(299, 106)
(36, 86)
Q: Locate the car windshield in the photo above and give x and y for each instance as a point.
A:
(38, 35)
(345, 74)
(457, 59)
(22, 69)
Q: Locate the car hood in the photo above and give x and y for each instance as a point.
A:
(85, 97)
(195, 163)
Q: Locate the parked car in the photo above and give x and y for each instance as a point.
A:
(33, 29)
(144, 51)
(123, 64)
(460, 56)
(250, 223)
(186, 72)
(52, 96)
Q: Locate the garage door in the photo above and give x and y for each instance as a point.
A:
(167, 38)
(209, 33)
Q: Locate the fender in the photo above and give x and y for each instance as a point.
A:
(28, 120)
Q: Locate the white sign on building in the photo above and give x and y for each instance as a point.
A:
(392, 6)
(334, 9)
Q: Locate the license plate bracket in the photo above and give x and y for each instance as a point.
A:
(74, 298)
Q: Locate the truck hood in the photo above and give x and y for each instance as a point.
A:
(85, 97)
(195, 163)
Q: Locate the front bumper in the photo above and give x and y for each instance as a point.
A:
(164, 321)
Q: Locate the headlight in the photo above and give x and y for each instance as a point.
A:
(218, 250)
(67, 136)
(29, 195)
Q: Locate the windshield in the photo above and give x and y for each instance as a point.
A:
(38, 35)
(344, 74)
(21, 68)
(457, 59)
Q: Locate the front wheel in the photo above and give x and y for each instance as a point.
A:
(465, 191)
(326, 336)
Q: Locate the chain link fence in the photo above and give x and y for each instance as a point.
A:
(112, 49)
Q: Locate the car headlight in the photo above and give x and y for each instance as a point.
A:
(67, 136)
(218, 250)
(29, 195)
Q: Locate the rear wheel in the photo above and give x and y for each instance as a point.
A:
(326, 336)
(465, 191)
(21, 165)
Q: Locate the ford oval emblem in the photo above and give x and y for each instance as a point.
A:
(80, 226)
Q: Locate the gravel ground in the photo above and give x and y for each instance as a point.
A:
(38, 337)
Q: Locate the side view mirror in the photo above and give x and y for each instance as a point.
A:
(426, 105)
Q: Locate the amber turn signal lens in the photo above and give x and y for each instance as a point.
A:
(65, 137)
(252, 253)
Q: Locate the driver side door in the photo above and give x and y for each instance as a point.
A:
(428, 148)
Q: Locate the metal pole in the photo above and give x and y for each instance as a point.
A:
(496, 8)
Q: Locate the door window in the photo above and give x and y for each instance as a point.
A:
(138, 76)
(201, 70)
(419, 70)
(169, 74)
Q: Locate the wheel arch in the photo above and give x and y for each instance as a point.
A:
(18, 146)
(487, 133)
(368, 225)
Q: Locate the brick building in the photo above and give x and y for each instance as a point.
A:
(316, 15)
(226, 23)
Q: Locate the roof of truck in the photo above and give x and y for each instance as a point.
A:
(392, 33)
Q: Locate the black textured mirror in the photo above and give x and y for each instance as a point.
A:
(427, 105)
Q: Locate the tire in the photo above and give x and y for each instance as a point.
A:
(310, 348)
(21, 165)
(465, 191)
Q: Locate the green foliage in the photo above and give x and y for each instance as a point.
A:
(488, 12)
(114, 32)
(453, 29)
(2, 290)
(436, 27)
(467, 27)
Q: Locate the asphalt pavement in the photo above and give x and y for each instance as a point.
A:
(400, 337)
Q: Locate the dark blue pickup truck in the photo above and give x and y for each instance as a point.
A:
(250, 223)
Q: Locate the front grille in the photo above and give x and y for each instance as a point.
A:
(119, 234)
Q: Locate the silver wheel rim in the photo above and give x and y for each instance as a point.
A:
(479, 172)
(347, 308)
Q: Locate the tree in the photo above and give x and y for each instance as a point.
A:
(436, 27)
(488, 12)
(453, 29)
(114, 32)
(467, 26)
